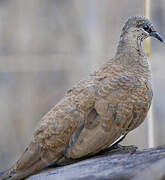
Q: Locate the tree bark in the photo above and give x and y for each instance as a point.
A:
(148, 164)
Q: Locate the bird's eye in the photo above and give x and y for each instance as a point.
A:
(146, 27)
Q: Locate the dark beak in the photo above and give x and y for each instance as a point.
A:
(156, 35)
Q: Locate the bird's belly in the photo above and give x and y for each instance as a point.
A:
(131, 112)
(125, 113)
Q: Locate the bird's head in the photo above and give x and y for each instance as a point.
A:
(140, 28)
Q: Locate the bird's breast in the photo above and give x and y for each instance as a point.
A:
(126, 106)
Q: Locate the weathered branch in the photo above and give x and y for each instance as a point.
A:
(115, 165)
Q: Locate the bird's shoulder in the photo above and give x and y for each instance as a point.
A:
(113, 75)
(110, 78)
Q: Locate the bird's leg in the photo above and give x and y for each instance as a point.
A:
(116, 146)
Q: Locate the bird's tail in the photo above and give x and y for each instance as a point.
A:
(29, 163)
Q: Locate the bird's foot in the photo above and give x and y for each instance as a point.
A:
(130, 149)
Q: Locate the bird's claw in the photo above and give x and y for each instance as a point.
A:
(130, 149)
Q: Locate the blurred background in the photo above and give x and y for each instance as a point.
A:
(48, 46)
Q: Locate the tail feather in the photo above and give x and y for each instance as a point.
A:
(13, 174)
(29, 163)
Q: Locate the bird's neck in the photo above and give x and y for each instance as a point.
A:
(130, 48)
(131, 56)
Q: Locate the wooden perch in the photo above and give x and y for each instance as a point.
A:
(148, 164)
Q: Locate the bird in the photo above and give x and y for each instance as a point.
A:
(96, 112)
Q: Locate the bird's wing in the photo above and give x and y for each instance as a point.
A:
(121, 104)
(91, 138)
(104, 123)
(91, 116)
(54, 131)
(57, 126)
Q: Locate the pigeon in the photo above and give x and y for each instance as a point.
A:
(98, 111)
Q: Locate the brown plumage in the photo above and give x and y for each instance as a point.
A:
(93, 114)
